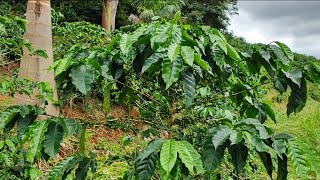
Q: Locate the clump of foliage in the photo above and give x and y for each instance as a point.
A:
(66, 35)
(12, 29)
(198, 78)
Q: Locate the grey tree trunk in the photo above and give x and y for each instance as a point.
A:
(34, 68)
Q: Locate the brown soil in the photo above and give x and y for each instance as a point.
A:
(8, 69)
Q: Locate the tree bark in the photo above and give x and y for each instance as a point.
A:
(39, 34)
(109, 12)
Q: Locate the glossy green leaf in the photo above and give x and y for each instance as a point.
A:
(69, 126)
(7, 115)
(144, 168)
(63, 166)
(82, 77)
(190, 157)
(168, 155)
(267, 162)
(175, 172)
(83, 168)
(300, 162)
(217, 40)
(173, 51)
(150, 61)
(282, 168)
(219, 57)
(295, 76)
(232, 52)
(239, 154)
(280, 146)
(285, 49)
(298, 98)
(203, 64)
(154, 146)
(212, 156)
(160, 35)
(124, 44)
(189, 87)
(53, 138)
(187, 54)
(37, 135)
(171, 71)
(266, 107)
(222, 134)
(106, 97)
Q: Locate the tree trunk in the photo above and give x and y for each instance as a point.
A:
(109, 12)
(39, 34)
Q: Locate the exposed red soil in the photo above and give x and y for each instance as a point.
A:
(8, 69)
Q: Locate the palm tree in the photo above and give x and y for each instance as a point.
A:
(38, 32)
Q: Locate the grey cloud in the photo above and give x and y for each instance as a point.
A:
(295, 22)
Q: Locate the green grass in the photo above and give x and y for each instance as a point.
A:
(304, 126)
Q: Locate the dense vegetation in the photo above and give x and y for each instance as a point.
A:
(200, 96)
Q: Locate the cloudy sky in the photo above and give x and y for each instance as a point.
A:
(295, 23)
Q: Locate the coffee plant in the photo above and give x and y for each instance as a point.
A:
(196, 76)
(201, 97)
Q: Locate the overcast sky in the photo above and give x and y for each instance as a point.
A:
(295, 23)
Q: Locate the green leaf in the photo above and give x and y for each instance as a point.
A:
(53, 138)
(106, 97)
(217, 40)
(187, 54)
(256, 142)
(150, 61)
(124, 44)
(144, 168)
(282, 168)
(168, 155)
(280, 146)
(236, 137)
(239, 154)
(281, 55)
(190, 157)
(263, 133)
(299, 161)
(61, 65)
(154, 146)
(203, 64)
(7, 115)
(111, 44)
(298, 98)
(83, 168)
(189, 87)
(233, 53)
(171, 71)
(41, 53)
(82, 77)
(69, 126)
(267, 162)
(295, 76)
(65, 165)
(173, 51)
(175, 172)
(36, 138)
(213, 156)
(219, 57)
(222, 134)
(160, 35)
(265, 55)
(286, 50)
(266, 107)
